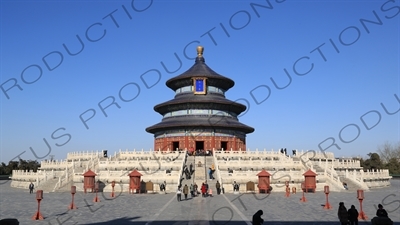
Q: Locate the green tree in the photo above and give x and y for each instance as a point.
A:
(27, 165)
(373, 163)
(393, 165)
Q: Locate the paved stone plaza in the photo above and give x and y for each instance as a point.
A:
(157, 209)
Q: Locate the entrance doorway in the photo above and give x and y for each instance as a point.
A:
(199, 145)
(175, 145)
(224, 145)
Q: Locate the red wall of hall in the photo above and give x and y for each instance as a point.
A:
(187, 142)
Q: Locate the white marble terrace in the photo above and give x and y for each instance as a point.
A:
(239, 166)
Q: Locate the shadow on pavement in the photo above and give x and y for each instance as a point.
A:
(125, 220)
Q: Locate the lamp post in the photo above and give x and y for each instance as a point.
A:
(112, 191)
(303, 187)
(326, 191)
(39, 197)
(287, 189)
(360, 196)
(96, 187)
(73, 192)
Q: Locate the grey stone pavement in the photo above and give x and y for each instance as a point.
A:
(156, 209)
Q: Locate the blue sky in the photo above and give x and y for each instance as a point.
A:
(342, 70)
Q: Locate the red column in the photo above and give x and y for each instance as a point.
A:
(165, 144)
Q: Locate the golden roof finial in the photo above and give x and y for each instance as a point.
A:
(200, 50)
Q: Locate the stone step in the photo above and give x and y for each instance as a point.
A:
(49, 185)
(65, 188)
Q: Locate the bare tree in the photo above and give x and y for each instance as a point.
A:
(388, 151)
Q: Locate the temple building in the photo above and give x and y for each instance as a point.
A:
(200, 117)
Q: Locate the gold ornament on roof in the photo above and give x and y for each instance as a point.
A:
(200, 50)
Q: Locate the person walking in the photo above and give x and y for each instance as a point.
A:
(218, 187)
(195, 189)
(235, 186)
(185, 191)
(353, 215)
(210, 192)
(31, 187)
(210, 173)
(343, 214)
(179, 194)
(203, 190)
(191, 189)
(257, 220)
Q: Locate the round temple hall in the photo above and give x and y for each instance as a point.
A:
(200, 117)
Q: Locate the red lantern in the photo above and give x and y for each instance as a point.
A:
(360, 194)
(73, 189)
(39, 195)
(326, 189)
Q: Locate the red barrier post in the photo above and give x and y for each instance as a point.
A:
(360, 196)
(96, 187)
(112, 192)
(326, 191)
(73, 192)
(287, 189)
(39, 197)
(303, 187)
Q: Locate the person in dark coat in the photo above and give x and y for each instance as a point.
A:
(353, 215)
(31, 187)
(381, 212)
(218, 187)
(343, 214)
(257, 220)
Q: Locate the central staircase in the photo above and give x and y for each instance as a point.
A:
(200, 174)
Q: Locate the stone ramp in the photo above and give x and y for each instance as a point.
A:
(351, 185)
(66, 187)
(48, 186)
